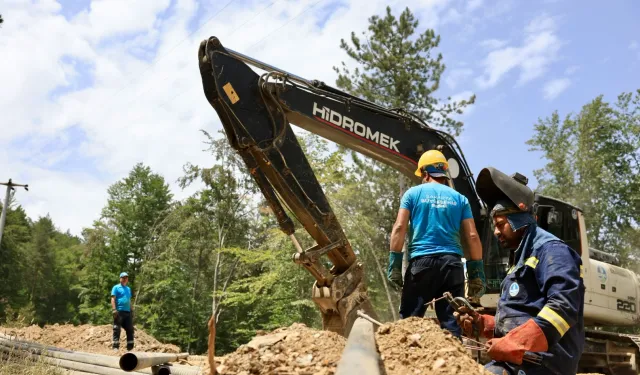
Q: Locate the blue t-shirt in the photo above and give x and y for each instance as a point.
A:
(437, 212)
(123, 297)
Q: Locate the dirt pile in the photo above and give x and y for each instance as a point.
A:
(419, 346)
(88, 338)
(296, 349)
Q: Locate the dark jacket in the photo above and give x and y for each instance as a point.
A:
(546, 284)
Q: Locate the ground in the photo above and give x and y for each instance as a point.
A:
(410, 346)
(87, 338)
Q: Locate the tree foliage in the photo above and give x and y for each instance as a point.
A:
(135, 205)
(399, 70)
(594, 162)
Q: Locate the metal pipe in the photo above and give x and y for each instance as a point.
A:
(71, 365)
(360, 355)
(138, 360)
(14, 339)
(93, 359)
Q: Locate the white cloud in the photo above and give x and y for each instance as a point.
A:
(541, 23)
(532, 58)
(452, 16)
(130, 111)
(572, 69)
(474, 4)
(456, 76)
(493, 43)
(555, 87)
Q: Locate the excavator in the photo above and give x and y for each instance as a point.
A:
(257, 111)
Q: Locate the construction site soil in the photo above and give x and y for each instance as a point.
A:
(420, 346)
(296, 349)
(410, 346)
(87, 338)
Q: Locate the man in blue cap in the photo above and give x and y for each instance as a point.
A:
(122, 314)
(541, 307)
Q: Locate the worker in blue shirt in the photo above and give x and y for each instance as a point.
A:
(122, 312)
(541, 307)
(441, 222)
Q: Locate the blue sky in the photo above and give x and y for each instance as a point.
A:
(93, 87)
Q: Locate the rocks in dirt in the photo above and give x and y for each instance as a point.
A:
(296, 349)
(261, 341)
(420, 346)
(88, 338)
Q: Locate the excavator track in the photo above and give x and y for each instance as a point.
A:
(610, 353)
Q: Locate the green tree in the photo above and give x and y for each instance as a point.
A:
(97, 273)
(121, 239)
(17, 235)
(397, 69)
(135, 205)
(192, 262)
(594, 162)
(52, 262)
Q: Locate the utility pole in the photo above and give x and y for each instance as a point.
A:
(5, 206)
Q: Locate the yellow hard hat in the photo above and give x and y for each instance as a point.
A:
(435, 159)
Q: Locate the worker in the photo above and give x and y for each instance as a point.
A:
(541, 306)
(122, 312)
(440, 220)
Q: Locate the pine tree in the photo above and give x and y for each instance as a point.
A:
(398, 70)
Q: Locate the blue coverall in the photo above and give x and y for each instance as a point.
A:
(544, 284)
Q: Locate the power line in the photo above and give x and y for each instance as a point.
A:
(157, 59)
(285, 24)
(233, 32)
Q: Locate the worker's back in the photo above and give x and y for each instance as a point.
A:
(436, 214)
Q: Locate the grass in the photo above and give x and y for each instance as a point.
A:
(14, 364)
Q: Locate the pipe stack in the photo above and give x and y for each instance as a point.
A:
(136, 363)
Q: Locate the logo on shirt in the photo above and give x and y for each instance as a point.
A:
(514, 289)
(439, 201)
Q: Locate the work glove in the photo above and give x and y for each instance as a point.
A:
(394, 271)
(511, 348)
(471, 323)
(114, 312)
(475, 278)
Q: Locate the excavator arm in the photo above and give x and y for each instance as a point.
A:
(256, 112)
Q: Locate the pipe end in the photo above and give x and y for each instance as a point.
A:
(128, 362)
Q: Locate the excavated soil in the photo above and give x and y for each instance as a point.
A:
(88, 338)
(419, 346)
(296, 349)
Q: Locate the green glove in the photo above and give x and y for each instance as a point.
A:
(476, 279)
(394, 271)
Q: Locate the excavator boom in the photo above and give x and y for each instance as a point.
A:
(256, 112)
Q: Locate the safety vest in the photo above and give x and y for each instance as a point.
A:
(545, 284)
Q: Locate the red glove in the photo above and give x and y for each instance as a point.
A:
(526, 338)
(484, 323)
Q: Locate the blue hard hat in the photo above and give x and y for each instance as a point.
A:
(124, 274)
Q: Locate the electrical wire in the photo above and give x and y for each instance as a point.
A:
(211, 18)
(153, 63)
(284, 24)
